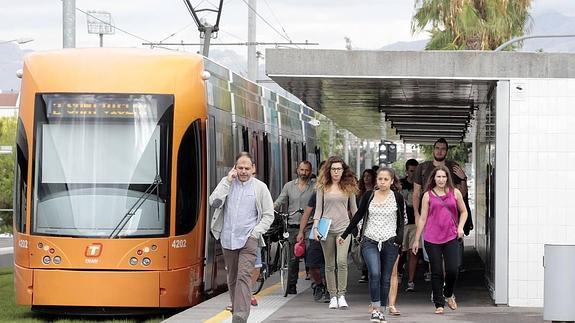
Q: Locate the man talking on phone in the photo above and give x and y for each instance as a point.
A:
(244, 212)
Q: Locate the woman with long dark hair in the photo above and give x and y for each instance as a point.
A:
(382, 212)
(366, 182)
(336, 189)
(441, 228)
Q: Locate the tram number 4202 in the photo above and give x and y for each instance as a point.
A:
(176, 244)
(23, 243)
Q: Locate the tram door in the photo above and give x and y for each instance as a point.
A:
(219, 160)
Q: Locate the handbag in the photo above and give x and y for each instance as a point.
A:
(468, 226)
(459, 240)
(356, 253)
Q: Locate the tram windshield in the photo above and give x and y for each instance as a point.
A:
(96, 155)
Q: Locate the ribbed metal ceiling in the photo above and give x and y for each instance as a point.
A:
(418, 110)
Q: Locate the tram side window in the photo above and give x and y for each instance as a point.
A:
(287, 158)
(21, 178)
(189, 179)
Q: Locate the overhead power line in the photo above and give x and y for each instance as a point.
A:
(277, 20)
(203, 27)
(267, 23)
(113, 26)
(306, 43)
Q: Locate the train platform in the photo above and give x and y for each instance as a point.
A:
(475, 303)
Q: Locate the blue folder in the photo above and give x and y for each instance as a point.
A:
(322, 229)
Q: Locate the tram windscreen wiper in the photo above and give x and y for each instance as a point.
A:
(154, 186)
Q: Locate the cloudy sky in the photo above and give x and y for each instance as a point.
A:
(370, 24)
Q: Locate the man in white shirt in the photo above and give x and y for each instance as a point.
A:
(244, 212)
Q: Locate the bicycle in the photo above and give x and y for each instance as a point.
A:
(278, 234)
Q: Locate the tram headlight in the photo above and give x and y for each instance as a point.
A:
(133, 261)
(57, 260)
(46, 260)
(146, 261)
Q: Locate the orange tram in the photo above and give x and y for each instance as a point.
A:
(117, 151)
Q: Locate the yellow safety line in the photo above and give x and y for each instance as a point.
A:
(224, 315)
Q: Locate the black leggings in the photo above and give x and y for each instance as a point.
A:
(439, 254)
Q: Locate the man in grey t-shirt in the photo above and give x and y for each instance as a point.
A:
(296, 195)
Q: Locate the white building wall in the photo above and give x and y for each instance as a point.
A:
(541, 180)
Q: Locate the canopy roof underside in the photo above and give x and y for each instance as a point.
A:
(423, 95)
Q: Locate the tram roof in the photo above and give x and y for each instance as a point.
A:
(424, 94)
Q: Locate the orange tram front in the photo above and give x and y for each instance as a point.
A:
(110, 189)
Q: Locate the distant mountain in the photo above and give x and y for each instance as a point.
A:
(549, 23)
(552, 23)
(406, 45)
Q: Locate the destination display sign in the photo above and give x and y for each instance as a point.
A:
(92, 106)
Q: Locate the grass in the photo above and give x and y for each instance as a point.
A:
(10, 312)
(5, 228)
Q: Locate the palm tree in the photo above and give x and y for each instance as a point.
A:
(471, 24)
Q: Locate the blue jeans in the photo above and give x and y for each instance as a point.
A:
(379, 266)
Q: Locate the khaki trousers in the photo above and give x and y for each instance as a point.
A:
(335, 256)
(240, 264)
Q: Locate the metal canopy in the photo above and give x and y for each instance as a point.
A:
(417, 110)
(424, 95)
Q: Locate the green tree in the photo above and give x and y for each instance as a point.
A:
(471, 24)
(7, 138)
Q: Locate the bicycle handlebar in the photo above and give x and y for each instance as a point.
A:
(288, 214)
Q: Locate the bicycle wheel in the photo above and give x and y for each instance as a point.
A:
(284, 266)
(258, 283)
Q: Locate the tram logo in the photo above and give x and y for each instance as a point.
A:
(94, 250)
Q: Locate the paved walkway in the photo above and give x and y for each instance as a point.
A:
(475, 304)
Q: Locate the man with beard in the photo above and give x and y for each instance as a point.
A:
(296, 194)
(440, 148)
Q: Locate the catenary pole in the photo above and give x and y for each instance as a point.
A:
(69, 23)
(252, 57)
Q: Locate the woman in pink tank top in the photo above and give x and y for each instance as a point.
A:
(442, 228)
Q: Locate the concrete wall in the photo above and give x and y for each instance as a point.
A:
(541, 180)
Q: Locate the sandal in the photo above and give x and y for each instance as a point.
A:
(229, 308)
(393, 311)
(439, 310)
(451, 303)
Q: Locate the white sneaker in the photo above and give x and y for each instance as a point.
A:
(333, 303)
(410, 287)
(342, 303)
